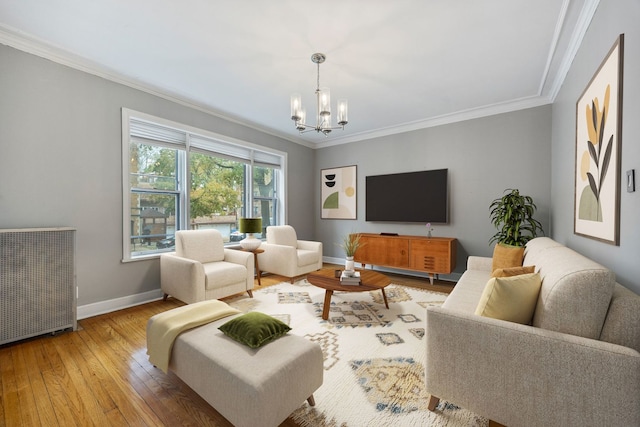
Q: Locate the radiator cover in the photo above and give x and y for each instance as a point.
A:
(37, 282)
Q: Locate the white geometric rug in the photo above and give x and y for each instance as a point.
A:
(373, 356)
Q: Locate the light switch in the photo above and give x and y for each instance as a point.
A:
(631, 181)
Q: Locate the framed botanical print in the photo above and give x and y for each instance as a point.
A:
(598, 145)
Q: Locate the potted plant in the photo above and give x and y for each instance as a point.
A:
(350, 244)
(512, 215)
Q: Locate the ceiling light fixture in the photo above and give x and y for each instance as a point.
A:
(323, 97)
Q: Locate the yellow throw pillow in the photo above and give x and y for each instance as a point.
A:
(510, 298)
(506, 256)
(513, 271)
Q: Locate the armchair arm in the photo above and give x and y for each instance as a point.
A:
(312, 246)
(308, 245)
(240, 257)
(182, 278)
(278, 259)
(520, 375)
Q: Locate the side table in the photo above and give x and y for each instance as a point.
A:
(255, 253)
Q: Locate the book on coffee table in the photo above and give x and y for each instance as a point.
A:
(350, 278)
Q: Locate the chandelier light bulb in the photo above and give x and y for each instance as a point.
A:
(342, 112)
(296, 105)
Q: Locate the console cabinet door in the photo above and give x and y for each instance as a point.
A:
(385, 251)
(432, 255)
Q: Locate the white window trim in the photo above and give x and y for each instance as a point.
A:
(127, 114)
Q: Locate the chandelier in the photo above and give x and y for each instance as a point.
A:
(323, 104)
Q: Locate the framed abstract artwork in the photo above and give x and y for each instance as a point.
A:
(339, 193)
(598, 145)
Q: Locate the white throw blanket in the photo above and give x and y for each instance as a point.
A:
(163, 328)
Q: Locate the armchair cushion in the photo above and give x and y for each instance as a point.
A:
(307, 257)
(282, 235)
(254, 329)
(218, 274)
(200, 245)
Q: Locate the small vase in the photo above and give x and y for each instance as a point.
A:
(348, 266)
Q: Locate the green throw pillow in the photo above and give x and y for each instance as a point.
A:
(254, 329)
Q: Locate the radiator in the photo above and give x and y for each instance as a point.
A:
(37, 282)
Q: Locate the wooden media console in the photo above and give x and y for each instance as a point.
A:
(433, 255)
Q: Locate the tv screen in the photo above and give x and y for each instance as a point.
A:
(408, 197)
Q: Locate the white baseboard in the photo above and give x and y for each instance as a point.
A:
(453, 277)
(102, 307)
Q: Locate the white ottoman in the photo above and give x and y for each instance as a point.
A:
(249, 387)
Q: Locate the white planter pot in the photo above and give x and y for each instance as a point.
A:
(348, 265)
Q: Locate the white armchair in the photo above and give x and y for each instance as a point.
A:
(287, 256)
(201, 268)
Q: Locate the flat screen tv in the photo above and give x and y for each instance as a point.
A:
(408, 197)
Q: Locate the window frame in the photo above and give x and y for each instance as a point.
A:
(204, 142)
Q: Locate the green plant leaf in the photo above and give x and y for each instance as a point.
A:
(592, 184)
(606, 160)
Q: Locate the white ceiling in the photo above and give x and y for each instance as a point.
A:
(402, 64)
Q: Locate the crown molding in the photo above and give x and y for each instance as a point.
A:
(445, 119)
(43, 49)
(582, 24)
(35, 46)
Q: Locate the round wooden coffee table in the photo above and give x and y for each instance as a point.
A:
(369, 281)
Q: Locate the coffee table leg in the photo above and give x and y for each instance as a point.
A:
(385, 298)
(327, 304)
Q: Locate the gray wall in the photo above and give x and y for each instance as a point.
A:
(60, 165)
(484, 156)
(611, 19)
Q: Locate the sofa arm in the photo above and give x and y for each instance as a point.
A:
(182, 278)
(479, 263)
(519, 375)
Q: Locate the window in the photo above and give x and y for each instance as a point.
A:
(180, 178)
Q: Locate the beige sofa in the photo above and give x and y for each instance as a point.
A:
(578, 364)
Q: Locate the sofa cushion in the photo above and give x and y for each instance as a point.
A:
(510, 298)
(254, 329)
(513, 271)
(575, 292)
(466, 293)
(505, 256)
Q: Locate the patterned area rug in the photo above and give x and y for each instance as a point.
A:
(373, 356)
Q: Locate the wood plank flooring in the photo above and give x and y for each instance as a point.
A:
(100, 374)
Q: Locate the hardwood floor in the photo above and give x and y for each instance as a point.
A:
(100, 374)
